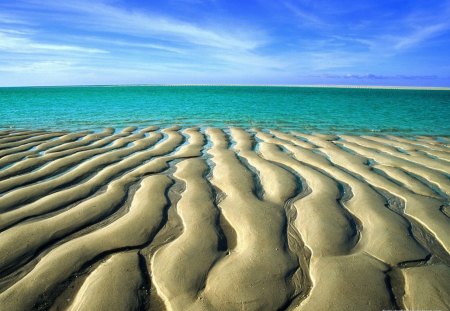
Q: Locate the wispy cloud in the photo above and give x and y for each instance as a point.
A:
(129, 44)
(48, 67)
(104, 17)
(420, 35)
(20, 44)
(386, 35)
(304, 16)
(146, 43)
(13, 19)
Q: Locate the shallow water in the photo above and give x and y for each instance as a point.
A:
(329, 110)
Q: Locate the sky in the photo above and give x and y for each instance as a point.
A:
(103, 42)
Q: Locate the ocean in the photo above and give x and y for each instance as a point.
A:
(308, 109)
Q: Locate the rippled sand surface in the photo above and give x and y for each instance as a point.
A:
(223, 219)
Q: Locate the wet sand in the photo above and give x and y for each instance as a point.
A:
(223, 219)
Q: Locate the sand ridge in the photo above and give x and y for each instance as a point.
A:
(222, 219)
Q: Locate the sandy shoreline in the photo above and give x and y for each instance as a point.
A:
(223, 219)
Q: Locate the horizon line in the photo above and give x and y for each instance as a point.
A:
(343, 86)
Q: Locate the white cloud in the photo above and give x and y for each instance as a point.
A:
(21, 44)
(420, 35)
(103, 17)
(48, 67)
(142, 46)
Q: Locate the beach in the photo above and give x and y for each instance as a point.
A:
(223, 218)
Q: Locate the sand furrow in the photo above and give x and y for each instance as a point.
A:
(33, 163)
(9, 132)
(222, 219)
(385, 235)
(65, 139)
(22, 136)
(85, 141)
(32, 139)
(419, 143)
(409, 146)
(431, 218)
(279, 187)
(21, 151)
(270, 138)
(78, 192)
(8, 160)
(278, 184)
(18, 149)
(412, 147)
(425, 210)
(259, 266)
(327, 271)
(101, 142)
(92, 140)
(416, 160)
(180, 268)
(43, 231)
(84, 162)
(135, 228)
(406, 180)
(35, 148)
(13, 136)
(14, 199)
(292, 139)
(323, 224)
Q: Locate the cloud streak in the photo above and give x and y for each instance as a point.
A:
(420, 35)
(103, 17)
(20, 44)
(305, 17)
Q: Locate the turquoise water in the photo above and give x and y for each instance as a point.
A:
(335, 110)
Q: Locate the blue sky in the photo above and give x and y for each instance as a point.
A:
(67, 42)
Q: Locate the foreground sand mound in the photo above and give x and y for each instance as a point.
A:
(223, 219)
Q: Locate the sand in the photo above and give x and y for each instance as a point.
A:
(223, 219)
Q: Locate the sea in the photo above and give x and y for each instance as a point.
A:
(356, 111)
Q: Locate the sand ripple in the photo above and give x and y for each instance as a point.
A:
(223, 219)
